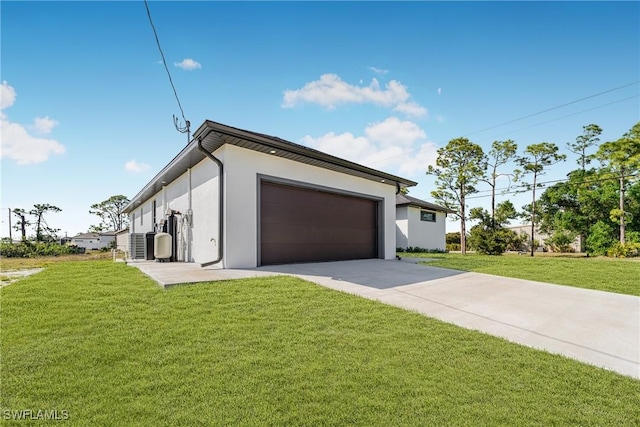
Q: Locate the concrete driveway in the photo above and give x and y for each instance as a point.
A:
(599, 328)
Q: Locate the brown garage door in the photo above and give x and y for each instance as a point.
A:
(305, 225)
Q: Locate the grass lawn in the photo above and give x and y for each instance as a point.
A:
(605, 274)
(103, 342)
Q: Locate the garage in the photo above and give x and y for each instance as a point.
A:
(302, 224)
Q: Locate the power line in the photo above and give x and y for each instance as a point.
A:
(564, 117)
(554, 108)
(164, 61)
(412, 151)
(544, 184)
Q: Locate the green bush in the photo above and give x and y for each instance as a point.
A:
(453, 246)
(418, 249)
(626, 250)
(492, 241)
(600, 238)
(561, 241)
(35, 249)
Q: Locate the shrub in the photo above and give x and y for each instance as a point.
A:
(34, 249)
(601, 238)
(453, 246)
(492, 241)
(626, 250)
(418, 249)
(561, 241)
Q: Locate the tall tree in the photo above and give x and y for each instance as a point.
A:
(622, 159)
(500, 154)
(536, 158)
(459, 167)
(590, 137)
(38, 211)
(22, 223)
(111, 212)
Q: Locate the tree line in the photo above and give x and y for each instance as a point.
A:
(110, 212)
(599, 200)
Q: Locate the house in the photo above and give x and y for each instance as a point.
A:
(240, 199)
(94, 240)
(420, 224)
(539, 237)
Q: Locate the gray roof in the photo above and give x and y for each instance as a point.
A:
(404, 200)
(86, 236)
(214, 135)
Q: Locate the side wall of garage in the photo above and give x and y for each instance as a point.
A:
(426, 234)
(243, 168)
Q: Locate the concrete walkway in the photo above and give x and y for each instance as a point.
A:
(599, 328)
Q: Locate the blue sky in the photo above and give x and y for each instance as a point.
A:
(87, 107)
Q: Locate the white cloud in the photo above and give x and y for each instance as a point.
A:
(188, 64)
(393, 131)
(388, 145)
(7, 95)
(135, 166)
(44, 124)
(439, 90)
(411, 109)
(330, 91)
(25, 149)
(378, 70)
(16, 143)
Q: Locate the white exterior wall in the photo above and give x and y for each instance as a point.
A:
(426, 234)
(198, 242)
(402, 227)
(241, 170)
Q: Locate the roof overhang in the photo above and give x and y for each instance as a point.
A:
(214, 135)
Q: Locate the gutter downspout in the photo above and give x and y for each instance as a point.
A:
(220, 201)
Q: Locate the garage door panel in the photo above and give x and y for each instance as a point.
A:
(305, 225)
(281, 254)
(303, 234)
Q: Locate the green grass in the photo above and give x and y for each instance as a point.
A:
(103, 342)
(604, 274)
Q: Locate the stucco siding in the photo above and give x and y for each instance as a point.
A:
(426, 234)
(242, 168)
(402, 227)
(198, 242)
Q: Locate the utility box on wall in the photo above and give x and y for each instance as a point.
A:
(162, 246)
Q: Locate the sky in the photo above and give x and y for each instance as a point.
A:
(86, 104)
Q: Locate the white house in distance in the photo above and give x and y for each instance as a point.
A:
(94, 240)
(241, 199)
(420, 224)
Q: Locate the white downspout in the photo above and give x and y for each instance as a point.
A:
(187, 221)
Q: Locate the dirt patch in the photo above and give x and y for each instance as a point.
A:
(8, 277)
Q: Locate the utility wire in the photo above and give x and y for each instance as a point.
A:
(564, 117)
(412, 151)
(164, 61)
(554, 108)
(545, 184)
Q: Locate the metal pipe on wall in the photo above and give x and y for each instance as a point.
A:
(220, 200)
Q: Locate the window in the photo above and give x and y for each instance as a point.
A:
(427, 216)
(153, 213)
(141, 215)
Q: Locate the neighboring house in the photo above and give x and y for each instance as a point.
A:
(241, 199)
(94, 240)
(420, 224)
(525, 230)
(122, 240)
